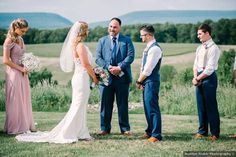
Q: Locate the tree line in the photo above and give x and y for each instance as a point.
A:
(224, 32)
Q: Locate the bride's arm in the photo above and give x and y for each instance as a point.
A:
(81, 51)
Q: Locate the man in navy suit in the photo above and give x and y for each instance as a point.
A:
(149, 82)
(115, 53)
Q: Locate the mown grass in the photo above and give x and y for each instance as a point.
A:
(177, 137)
(177, 130)
(169, 49)
(54, 49)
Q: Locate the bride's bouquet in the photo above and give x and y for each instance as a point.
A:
(102, 75)
(30, 62)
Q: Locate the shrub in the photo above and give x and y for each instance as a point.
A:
(185, 77)
(179, 100)
(135, 95)
(225, 68)
(167, 73)
(50, 98)
(94, 97)
(2, 99)
(43, 76)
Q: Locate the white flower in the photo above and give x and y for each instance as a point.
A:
(102, 75)
(30, 62)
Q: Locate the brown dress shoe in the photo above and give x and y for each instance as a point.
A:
(233, 136)
(153, 139)
(146, 136)
(213, 138)
(198, 136)
(127, 133)
(103, 133)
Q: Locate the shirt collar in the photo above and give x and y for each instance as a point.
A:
(208, 43)
(151, 42)
(117, 36)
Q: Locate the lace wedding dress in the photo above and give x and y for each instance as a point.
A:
(74, 125)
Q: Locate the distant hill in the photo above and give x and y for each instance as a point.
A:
(36, 20)
(171, 16)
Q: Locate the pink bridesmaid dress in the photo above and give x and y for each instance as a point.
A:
(19, 118)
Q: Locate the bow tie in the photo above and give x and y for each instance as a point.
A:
(204, 45)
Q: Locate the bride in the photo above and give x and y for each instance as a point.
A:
(73, 126)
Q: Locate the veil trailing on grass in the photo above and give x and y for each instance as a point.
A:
(66, 57)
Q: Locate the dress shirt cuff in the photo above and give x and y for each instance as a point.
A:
(121, 67)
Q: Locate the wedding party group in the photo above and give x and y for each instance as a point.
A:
(114, 54)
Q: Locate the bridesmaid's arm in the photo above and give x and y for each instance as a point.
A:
(81, 51)
(7, 60)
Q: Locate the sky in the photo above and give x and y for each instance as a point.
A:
(100, 10)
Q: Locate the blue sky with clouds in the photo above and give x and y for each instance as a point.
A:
(98, 10)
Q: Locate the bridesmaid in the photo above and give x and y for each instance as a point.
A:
(19, 118)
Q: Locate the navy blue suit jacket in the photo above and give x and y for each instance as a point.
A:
(125, 55)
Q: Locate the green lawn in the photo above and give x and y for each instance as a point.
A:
(177, 137)
(54, 49)
(169, 49)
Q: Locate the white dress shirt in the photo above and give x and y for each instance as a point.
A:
(112, 44)
(207, 56)
(154, 55)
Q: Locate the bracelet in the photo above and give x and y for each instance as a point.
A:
(138, 82)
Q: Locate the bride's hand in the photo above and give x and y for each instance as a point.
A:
(95, 80)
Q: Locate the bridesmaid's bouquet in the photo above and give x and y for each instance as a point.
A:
(30, 62)
(102, 75)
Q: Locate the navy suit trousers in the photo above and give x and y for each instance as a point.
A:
(207, 106)
(151, 108)
(120, 91)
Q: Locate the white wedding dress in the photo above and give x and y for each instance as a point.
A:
(74, 125)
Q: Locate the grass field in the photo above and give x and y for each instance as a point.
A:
(177, 130)
(177, 137)
(54, 49)
(169, 49)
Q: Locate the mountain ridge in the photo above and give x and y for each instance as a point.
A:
(171, 16)
(39, 20)
(47, 20)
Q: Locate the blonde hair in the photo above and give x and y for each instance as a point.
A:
(18, 23)
(82, 34)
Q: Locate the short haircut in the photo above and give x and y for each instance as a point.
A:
(117, 19)
(148, 28)
(205, 28)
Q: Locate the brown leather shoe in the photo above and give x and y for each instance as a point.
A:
(233, 136)
(153, 139)
(198, 136)
(127, 133)
(103, 133)
(146, 136)
(213, 138)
